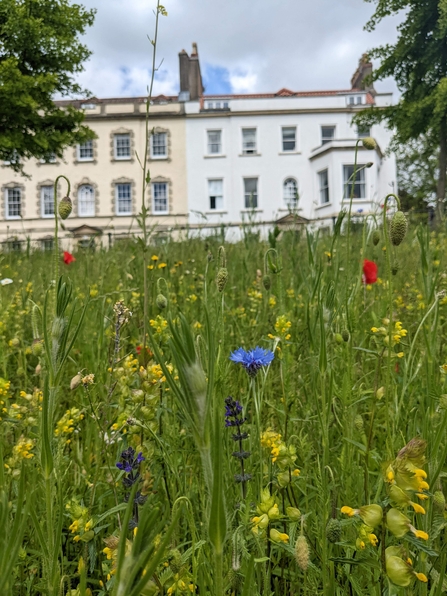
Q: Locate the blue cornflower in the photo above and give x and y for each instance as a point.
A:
(252, 360)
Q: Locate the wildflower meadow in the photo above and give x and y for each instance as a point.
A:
(201, 417)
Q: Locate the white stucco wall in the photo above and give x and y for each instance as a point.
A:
(272, 166)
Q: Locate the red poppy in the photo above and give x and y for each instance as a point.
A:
(369, 272)
(68, 258)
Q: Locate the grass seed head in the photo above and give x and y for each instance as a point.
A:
(222, 278)
(302, 553)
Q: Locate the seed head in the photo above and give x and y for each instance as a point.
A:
(376, 237)
(439, 500)
(222, 278)
(267, 282)
(37, 347)
(161, 301)
(398, 228)
(395, 268)
(65, 207)
(333, 530)
(302, 553)
(345, 335)
(358, 422)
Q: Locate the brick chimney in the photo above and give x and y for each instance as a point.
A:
(191, 87)
(364, 69)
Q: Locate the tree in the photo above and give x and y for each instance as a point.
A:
(417, 173)
(39, 54)
(418, 63)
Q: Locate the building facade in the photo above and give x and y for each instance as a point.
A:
(106, 177)
(213, 160)
(259, 157)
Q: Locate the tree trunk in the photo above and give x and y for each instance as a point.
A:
(441, 188)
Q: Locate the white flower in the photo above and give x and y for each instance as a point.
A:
(5, 282)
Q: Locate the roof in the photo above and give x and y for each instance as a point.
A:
(95, 100)
(288, 93)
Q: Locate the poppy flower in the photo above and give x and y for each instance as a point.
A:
(68, 258)
(369, 272)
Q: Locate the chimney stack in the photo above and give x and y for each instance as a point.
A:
(191, 87)
(364, 69)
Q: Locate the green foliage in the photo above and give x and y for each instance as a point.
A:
(39, 53)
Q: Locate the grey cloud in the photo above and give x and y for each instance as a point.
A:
(299, 44)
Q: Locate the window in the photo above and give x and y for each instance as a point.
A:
(363, 131)
(251, 193)
(47, 201)
(359, 182)
(13, 199)
(123, 198)
(121, 145)
(327, 134)
(14, 159)
(351, 100)
(50, 158)
(249, 141)
(289, 138)
(86, 201)
(290, 193)
(214, 142)
(47, 244)
(323, 182)
(160, 197)
(85, 151)
(215, 193)
(159, 148)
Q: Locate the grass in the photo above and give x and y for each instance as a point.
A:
(359, 371)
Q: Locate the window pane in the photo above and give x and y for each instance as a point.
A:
(357, 185)
(159, 148)
(324, 187)
(291, 192)
(160, 197)
(122, 146)
(363, 131)
(86, 150)
(249, 140)
(214, 142)
(215, 192)
(123, 193)
(251, 193)
(327, 134)
(86, 198)
(289, 138)
(14, 202)
(47, 200)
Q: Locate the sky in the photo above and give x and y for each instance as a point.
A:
(245, 46)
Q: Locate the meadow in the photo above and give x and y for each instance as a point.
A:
(276, 424)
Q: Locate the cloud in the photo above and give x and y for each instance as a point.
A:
(244, 46)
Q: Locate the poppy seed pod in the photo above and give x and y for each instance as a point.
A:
(395, 268)
(345, 335)
(398, 228)
(333, 530)
(37, 347)
(293, 513)
(376, 237)
(161, 301)
(267, 282)
(65, 207)
(439, 500)
(222, 278)
(369, 143)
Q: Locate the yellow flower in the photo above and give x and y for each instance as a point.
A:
(373, 539)
(349, 511)
(276, 536)
(154, 258)
(421, 577)
(162, 265)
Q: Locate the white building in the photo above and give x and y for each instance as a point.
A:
(252, 155)
(213, 160)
